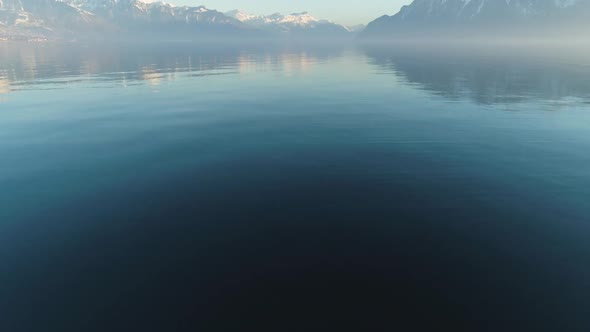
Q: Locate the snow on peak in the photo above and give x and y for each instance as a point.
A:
(241, 16)
(303, 21)
(296, 19)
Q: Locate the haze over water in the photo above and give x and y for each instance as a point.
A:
(179, 188)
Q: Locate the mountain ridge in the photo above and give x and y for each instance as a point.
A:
(64, 19)
(479, 18)
(296, 24)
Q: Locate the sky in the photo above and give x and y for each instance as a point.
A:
(344, 12)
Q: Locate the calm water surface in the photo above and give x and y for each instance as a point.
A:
(182, 188)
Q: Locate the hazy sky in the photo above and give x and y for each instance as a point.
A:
(344, 12)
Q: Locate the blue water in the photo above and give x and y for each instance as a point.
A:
(191, 188)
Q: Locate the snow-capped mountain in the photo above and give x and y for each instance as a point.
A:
(151, 19)
(136, 11)
(293, 24)
(22, 19)
(25, 19)
(297, 19)
(437, 16)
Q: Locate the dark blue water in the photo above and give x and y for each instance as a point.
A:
(190, 188)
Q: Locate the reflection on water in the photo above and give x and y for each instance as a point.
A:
(484, 77)
(184, 188)
(4, 86)
(492, 76)
(25, 66)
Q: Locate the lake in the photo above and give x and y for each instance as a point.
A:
(182, 187)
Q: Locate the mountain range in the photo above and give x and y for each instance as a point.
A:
(422, 19)
(297, 24)
(73, 19)
(478, 18)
